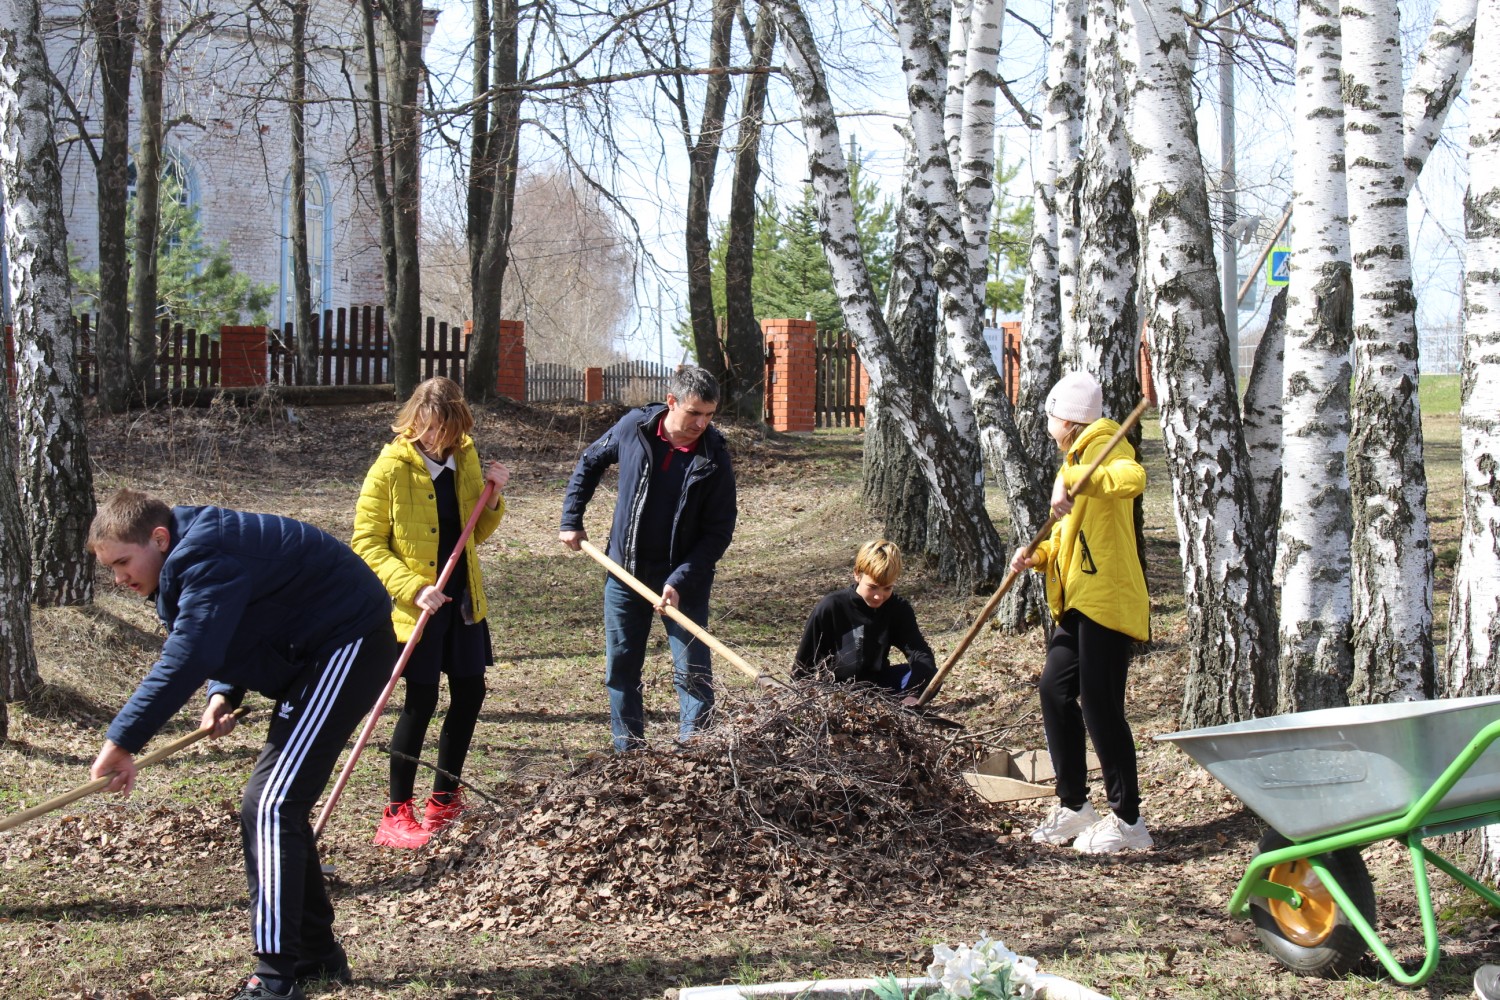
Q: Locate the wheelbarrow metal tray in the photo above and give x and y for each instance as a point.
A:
(1314, 773)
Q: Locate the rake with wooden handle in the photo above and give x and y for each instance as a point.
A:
(1037, 539)
(99, 784)
(630, 581)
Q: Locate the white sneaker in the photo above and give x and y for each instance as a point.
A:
(1063, 824)
(1111, 835)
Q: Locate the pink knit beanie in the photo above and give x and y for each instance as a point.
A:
(1076, 397)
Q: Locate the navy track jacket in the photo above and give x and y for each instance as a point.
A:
(703, 523)
(249, 601)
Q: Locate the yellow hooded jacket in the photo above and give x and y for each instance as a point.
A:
(396, 526)
(1090, 559)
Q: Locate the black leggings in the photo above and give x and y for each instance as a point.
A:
(465, 694)
(1087, 662)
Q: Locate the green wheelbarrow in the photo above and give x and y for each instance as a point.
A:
(1331, 781)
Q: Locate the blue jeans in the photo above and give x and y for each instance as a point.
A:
(627, 628)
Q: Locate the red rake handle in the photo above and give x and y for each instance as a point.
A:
(406, 651)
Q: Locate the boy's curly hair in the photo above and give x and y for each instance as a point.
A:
(879, 560)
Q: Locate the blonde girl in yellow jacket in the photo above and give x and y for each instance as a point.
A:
(412, 508)
(1096, 590)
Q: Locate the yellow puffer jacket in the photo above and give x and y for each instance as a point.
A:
(396, 526)
(1090, 558)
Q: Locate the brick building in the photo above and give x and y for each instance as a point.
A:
(229, 143)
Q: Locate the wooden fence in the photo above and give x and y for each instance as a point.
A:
(637, 382)
(185, 359)
(839, 398)
(550, 381)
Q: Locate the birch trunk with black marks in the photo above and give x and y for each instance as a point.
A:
(744, 346)
(56, 486)
(1316, 523)
(959, 302)
(1227, 592)
(35, 243)
(1436, 80)
(893, 391)
(1054, 250)
(1262, 407)
(114, 24)
(895, 488)
(148, 166)
(1107, 325)
(1473, 662)
(494, 166)
(1392, 550)
(703, 157)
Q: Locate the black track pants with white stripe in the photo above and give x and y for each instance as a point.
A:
(290, 915)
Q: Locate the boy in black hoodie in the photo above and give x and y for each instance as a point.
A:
(851, 632)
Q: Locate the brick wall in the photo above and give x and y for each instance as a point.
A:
(791, 373)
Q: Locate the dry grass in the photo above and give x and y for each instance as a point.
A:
(144, 900)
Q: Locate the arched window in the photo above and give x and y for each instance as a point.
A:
(319, 246)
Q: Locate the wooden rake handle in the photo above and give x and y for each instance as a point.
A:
(677, 616)
(99, 784)
(1037, 539)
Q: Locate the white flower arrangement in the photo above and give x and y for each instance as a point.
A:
(987, 971)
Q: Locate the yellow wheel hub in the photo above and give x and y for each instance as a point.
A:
(1310, 924)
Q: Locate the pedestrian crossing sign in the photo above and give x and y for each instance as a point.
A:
(1279, 267)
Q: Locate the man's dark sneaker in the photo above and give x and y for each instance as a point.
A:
(331, 968)
(1487, 982)
(257, 990)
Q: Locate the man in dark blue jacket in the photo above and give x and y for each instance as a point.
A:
(674, 518)
(253, 601)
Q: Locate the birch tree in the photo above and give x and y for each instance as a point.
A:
(31, 192)
(1106, 327)
(1436, 80)
(56, 488)
(900, 400)
(1227, 591)
(1051, 279)
(1392, 554)
(1315, 521)
(1473, 663)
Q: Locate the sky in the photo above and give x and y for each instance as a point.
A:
(648, 172)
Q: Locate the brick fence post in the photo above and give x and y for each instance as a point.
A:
(593, 385)
(791, 375)
(1010, 359)
(242, 356)
(510, 376)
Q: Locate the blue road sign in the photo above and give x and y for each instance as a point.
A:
(1279, 266)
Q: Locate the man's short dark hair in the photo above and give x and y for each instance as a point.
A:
(690, 380)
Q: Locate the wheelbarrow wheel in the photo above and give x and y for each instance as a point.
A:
(1317, 938)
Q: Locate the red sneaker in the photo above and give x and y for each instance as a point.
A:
(439, 813)
(399, 828)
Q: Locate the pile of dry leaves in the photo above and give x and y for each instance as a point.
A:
(816, 793)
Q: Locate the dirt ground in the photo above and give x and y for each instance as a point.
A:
(580, 874)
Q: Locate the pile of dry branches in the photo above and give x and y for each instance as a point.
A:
(817, 793)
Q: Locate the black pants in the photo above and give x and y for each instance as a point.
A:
(465, 696)
(290, 914)
(1087, 663)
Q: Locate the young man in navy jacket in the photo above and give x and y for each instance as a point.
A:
(253, 601)
(673, 519)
